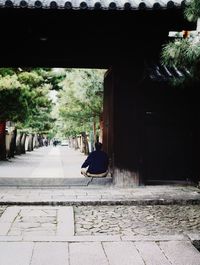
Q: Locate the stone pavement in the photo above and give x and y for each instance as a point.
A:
(45, 235)
(45, 162)
(92, 223)
(152, 225)
(104, 251)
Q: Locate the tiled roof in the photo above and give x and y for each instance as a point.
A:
(93, 4)
(158, 72)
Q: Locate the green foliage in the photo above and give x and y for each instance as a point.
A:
(80, 100)
(24, 98)
(12, 98)
(185, 52)
(32, 79)
(192, 10)
(55, 77)
(6, 72)
(177, 53)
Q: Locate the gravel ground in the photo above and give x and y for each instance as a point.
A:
(136, 220)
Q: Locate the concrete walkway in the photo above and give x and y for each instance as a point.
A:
(45, 162)
(46, 167)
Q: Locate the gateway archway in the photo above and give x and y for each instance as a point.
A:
(120, 36)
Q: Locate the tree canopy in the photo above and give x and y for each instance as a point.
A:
(81, 100)
(24, 98)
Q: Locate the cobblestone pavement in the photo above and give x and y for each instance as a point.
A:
(102, 220)
(137, 220)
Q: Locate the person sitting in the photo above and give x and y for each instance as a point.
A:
(96, 163)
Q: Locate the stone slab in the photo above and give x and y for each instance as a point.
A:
(5, 228)
(14, 253)
(9, 214)
(10, 238)
(151, 253)
(87, 254)
(50, 254)
(122, 253)
(180, 253)
(65, 221)
(23, 220)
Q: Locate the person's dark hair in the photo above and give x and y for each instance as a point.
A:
(98, 146)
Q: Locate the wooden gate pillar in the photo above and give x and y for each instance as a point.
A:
(123, 124)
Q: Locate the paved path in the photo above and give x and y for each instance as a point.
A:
(47, 232)
(106, 252)
(44, 235)
(44, 162)
(46, 167)
(92, 224)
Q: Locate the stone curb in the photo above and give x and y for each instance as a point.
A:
(103, 238)
(104, 202)
(195, 239)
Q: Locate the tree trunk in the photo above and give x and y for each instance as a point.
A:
(23, 140)
(13, 143)
(85, 143)
(94, 129)
(18, 143)
(30, 142)
(76, 143)
(3, 140)
(101, 128)
(70, 142)
(36, 139)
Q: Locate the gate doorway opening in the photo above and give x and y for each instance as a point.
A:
(52, 118)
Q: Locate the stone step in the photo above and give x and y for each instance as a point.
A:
(52, 182)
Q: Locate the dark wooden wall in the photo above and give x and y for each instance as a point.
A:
(156, 130)
(169, 127)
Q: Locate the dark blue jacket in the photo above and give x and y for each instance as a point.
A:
(97, 161)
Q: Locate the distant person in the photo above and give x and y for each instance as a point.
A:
(96, 164)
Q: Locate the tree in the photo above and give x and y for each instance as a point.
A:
(13, 99)
(13, 103)
(24, 99)
(81, 101)
(192, 11)
(185, 52)
(39, 102)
